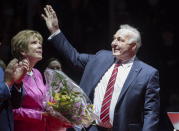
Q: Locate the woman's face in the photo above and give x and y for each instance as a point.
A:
(34, 50)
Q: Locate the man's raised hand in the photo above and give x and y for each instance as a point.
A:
(51, 19)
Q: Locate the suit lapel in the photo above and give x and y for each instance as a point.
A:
(131, 77)
(105, 65)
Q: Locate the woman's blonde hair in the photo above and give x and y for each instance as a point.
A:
(20, 41)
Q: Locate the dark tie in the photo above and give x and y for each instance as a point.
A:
(104, 116)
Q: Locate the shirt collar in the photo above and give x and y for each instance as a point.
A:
(128, 62)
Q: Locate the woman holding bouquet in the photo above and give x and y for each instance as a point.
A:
(31, 116)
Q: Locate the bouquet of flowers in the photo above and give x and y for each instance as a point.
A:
(67, 101)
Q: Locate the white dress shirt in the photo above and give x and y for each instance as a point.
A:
(54, 34)
(123, 71)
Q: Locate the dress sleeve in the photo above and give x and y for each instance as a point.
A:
(27, 114)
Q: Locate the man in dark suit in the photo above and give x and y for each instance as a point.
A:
(11, 91)
(124, 90)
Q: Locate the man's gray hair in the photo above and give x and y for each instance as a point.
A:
(137, 37)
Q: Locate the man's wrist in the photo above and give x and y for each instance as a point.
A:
(52, 31)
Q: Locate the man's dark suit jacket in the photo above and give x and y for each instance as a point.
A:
(138, 105)
(9, 99)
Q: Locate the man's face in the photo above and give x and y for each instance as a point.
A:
(121, 48)
(34, 51)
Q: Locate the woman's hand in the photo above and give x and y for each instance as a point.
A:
(15, 71)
